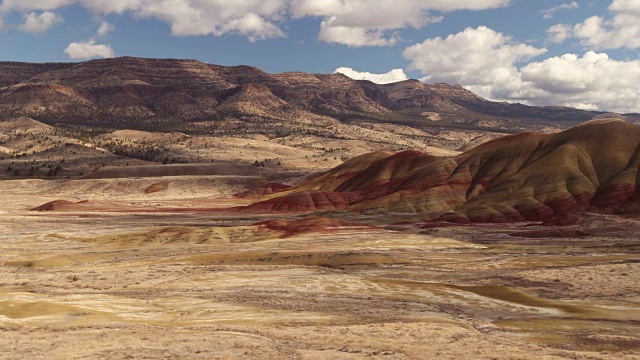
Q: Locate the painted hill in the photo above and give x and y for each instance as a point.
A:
(154, 94)
(525, 177)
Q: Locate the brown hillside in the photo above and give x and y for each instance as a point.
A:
(137, 91)
(23, 126)
(524, 177)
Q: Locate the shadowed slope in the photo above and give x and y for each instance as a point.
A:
(532, 177)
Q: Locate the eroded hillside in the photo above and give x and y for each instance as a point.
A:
(524, 177)
(187, 95)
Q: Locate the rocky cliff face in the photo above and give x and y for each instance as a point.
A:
(125, 92)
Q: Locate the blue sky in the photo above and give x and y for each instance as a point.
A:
(554, 52)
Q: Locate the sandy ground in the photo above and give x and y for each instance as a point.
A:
(166, 285)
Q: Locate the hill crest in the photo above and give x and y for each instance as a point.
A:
(139, 90)
(524, 177)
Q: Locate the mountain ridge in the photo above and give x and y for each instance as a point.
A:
(516, 178)
(151, 92)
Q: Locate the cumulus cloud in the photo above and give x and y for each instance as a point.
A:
(256, 19)
(593, 81)
(548, 13)
(35, 23)
(392, 76)
(253, 27)
(97, 6)
(353, 36)
(348, 22)
(492, 65)
(88, 50)
(358, 23)
(84, 50)
(620, 30)
(479, 58)
(559, 33)
(104, 29)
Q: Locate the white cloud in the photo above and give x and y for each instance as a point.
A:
(103, 7)
(392, 76)
(387, 13)
(593, 81)
(559, 33)
(255, 19)
(358, 23)
(353, 36)
(35, 23)
(88, 50)
(479, 58)
(489, 64)
(104, 29)
(349, 22)
(369, 15)
(628, 6)
(620, 30)
(97, 6)
(548, 13)
(253, 27)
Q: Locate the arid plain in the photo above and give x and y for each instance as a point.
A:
(205, 284)
(177, 209)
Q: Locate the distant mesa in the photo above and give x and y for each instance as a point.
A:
(150, 93)
(594, 167)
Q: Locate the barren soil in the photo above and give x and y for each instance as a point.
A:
(149, 285)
